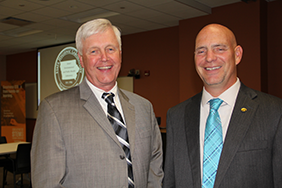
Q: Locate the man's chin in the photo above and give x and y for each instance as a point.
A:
(213, 82)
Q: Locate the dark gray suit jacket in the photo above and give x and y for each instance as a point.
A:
(252, 151)
(74, 144)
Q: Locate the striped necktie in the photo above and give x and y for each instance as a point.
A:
(212, 144)
(119, 127)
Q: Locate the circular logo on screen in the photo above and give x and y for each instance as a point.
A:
(67, 69)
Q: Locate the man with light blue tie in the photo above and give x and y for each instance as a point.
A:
(229, 135)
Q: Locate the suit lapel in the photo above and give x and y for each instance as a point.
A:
(192, 120)
(238, 127)
(94, 108)
(129, 116)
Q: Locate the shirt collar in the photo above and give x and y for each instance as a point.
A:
(229, 96)
(99, 92)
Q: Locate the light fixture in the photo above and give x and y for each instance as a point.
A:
(90, 15)
(20, 32)
(30, 32)
(16, 21)
(102, 15)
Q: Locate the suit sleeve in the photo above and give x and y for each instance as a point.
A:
(169, 161)
(48, 151)
(156, 170)
(277, 156)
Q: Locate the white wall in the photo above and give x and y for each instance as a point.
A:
(2, 67)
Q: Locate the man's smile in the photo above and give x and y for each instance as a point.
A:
(212, 68)
(106, 67)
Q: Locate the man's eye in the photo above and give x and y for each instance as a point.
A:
(200, 52)
(111, 50)
(220, 49)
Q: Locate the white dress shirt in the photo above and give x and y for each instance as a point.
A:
(225, 110)
(99, 92)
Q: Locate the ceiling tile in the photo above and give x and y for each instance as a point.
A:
(127, 20)
(217, 2)
(4, 37)
(150, 3)
(123, 7)
(41, 26)
(63, 31)
(33, 17)
(57, 22)
(51, 12)
(52, 17)
(11, 42)
(8, 50)
(5, 27)
(84, 16)
(46, 2)
(20, 32)
(6, 11)
(172, 7)
(184, 14)
(165, 20)
(179, 10)
(22, 5)
(99, 3)
(145, 13)
(73, 6)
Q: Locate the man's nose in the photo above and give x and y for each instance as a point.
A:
(104, 56)
(210, 56)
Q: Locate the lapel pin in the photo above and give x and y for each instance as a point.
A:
(243, 109)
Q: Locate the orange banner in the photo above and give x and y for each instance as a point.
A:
(13, 110)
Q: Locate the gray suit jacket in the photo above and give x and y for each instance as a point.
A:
(74, 144)
(252, 151)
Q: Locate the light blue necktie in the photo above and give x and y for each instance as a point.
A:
(212, 145)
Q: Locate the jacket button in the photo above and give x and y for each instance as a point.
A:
(122, 157)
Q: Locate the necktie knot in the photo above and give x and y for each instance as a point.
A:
(108, 97)
(215, 103)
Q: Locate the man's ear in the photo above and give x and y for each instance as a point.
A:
(238, 54)
(120, 56)
(81, 60)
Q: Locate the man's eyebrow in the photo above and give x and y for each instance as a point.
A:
(93, 47)
(201, 47)
(219, 45)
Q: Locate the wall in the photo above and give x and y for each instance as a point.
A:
(274, 48)
(22, 66)
(156, 51)
(2, 72)
(2, 68)
(168, 54)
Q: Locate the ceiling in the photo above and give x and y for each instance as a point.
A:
(50, 22)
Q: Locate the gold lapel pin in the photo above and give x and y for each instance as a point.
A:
(243, 109)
